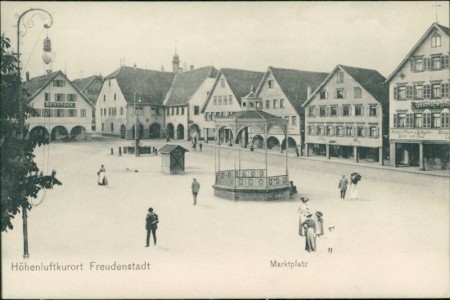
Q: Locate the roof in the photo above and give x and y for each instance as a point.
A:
(433, 26)
(239, 82)
(151, 85)
(83, 83)
(184, 85)
(35, 85)
(370, 80)
(169, 148)
(295, 83)
(251, 114)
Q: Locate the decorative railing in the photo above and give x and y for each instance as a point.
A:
(250, 179)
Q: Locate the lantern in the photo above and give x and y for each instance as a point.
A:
(47, 56)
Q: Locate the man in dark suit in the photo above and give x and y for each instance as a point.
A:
(343, 186)
(151, 224)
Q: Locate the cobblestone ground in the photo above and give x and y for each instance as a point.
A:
(392, 241)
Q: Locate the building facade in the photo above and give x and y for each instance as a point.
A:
(91, 87)
(347, 115)
(419, 104)
(283, 91)
(62, 109)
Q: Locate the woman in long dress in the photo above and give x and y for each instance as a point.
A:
(102, 176)
(310, 234)
(303, 211)
(354, 179)
(319, 223)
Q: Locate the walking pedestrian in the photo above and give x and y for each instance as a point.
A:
(151, 224)
(331, 239)
(319, 223)
(102, 180)
(343, 186)
(310, 234)
(195, 188)
(303, 211)
(297, 152)
(354, 179)
(200, 145)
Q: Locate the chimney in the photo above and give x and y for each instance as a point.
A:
(28, 75)
(192, 68)
(308, 93)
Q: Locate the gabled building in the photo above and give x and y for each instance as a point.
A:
(63, 111)
(347, 115)
(283, 91)
(229, 87)
(187, 94)
(419, 104)
(91, 87)
(131, 96)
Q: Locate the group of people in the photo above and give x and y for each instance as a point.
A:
(343, 183)
(311, 226)
(194, 145)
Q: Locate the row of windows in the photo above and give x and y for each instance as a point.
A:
(433, 63)
(344, 130)
(60, 112)
(61, 97)
(341, 93)
(170, 111)
(274, 103)
(223, 100)
(344, 110)
(421, 91)
(104, 97)
(421, 120)
(59, 83)
(112, 111)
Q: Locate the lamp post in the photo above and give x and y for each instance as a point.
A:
(136, 124)
(26, 24)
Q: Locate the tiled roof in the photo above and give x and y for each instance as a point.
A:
(251, 114)
(151, 85)
(294, 83)
(184, 85)
(371, 81)
(36, 84)
(169, 148)
(444, 29)
(83, 83)
(240, 81)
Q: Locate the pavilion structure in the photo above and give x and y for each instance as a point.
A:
(250, 184)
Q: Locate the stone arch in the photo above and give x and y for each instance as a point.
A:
(59, 132)
(170, 130)
(123, 131)
(272, 142)
(292, 144)
(154, 131)
(225, 134)
(40, 131)
(194, 131)
(79, 132)
(258, 141)
(180, 132)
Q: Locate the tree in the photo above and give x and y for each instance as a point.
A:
(20, 176)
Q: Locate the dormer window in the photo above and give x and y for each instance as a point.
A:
(435, 41)
(340, 77)
(270, 84)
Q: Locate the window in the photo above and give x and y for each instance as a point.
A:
(104, 98)
(346, 110)
(46, 112)
(401, 120)
(418, 120)
(72, 97)
(409, 120)
(222, 82)
(340, 77)
(109, 82)
(310, 130)
(427, 91)
(72, 112)
(323, 94)
(275, 103)
(270, 84)
(373, 110)
(178, 111)
(427, 120)
(114, 100)
(230, 99)
(103, 126)
(436, 120)
(172, 111)
(215, 100)
(182, 111)
(196, 110)
(334, 111)
(59, 83)
(104, 111)
(329, 130)
(436, 63)
(418, 91)
(409, 92)
(340, 94)
(220, 100)
(109, 111)
(357, 92)
(225, 100)
(339, 131)
(294, 120)
(59, 97)
(444, 120)
(373, 133)
(281, 103)
(358, 110)
(121, 111)
(319, 130)
(418, 64)
(360, 131)
(445, 62)
(323, 111)
(401, 92)
(444, 90)
(267, 103)
(60, 112)
(312, 111)
(435, 41)
(436, 90)
(47, 96)
(349, 131)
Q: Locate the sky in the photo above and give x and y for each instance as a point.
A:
(91, 38)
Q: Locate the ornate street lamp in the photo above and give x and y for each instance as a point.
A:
(27, 23)
(136, 148)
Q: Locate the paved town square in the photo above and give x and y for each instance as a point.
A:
(253, 246)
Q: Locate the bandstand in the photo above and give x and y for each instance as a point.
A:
(250, 184)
